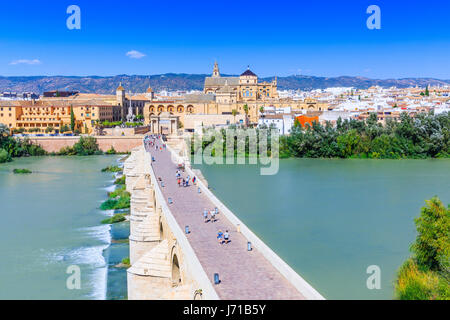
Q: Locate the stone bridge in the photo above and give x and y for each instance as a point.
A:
(167, 263)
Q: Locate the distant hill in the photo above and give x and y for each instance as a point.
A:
(172, 81)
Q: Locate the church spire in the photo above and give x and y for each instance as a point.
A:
(216, 72)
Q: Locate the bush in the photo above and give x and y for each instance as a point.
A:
(111, 151)
(4, 156)
(415, 284)
(122, 201)
(86, 146)
(22, 171)
(114, 219)
(426, 276)
(120, 181)
(112, 169)
(126, 262)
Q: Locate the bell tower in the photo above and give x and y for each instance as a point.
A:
(216, 72)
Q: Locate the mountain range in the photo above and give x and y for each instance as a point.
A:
(172, 81)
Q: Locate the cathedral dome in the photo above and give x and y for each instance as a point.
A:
(248, 72)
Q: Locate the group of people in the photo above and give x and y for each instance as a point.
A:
(184, 182)
(151, 142)
(210, 216)
(223, 237)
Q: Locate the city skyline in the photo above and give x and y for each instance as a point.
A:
(319, 39)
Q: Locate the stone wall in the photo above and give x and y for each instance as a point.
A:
(120, 144)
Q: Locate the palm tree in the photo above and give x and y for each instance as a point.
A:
(234, 113)
(246, 114)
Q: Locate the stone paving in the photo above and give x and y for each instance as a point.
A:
(244, 275)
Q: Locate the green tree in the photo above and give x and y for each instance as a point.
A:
(234, 113)
(86, 146)
(432, 245)
(246, 114)
(426, 275)
(65, 128)
(349, 143)
(72, 119)
(427, 92)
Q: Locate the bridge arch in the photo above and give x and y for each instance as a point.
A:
(176, 268)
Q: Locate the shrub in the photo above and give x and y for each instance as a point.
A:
(4, 156)
(112, 169)
(111, 151)
(22, 171)
(126, 262)
(114, 219)
(426, 276)
(120, 181)
(86, 146)
(415, 284)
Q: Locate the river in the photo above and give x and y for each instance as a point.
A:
(50, 221)
(332, 219)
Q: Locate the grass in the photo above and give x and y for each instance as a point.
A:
(416, 284)
(112, 169)
(126, 262)
(118, 199)
(114, 219)
(22, 171)
(120, 181)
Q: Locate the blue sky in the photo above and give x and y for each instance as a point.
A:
(278, 37)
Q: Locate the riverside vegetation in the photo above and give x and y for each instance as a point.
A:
(12, 147)
(425, 136)
(118, 199)
(426, 275)
(22, 171)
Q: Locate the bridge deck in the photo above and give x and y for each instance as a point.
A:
(244, 275)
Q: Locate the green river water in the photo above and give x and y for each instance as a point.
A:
(328, 219)
(49, 221)
(331, 219)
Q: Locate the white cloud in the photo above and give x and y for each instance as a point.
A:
(133, 54)
(26, 61)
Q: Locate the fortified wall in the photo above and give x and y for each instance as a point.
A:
(120, 144)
